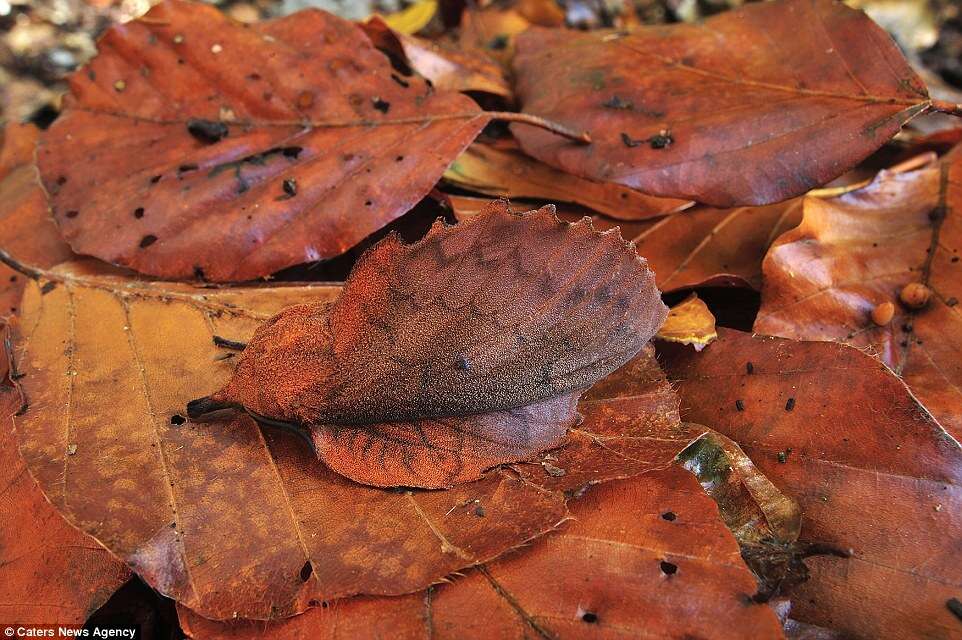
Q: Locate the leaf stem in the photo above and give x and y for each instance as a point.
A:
(951, 108)
(31, 272)
(537, 121)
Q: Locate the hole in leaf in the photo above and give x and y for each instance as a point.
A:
(669, 516)
(177, 419)
(668, 568)
(589, 617)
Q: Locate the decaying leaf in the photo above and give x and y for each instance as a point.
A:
(765, 521)
(232, 520)
(49, 571)
(26, 229)
(195, 147)
(854, 253)
(505, 171)
(752, 106)
(465, 350)
(493, 29)
(689, 322)
(448, 67)
(642, 558)
(874, 475)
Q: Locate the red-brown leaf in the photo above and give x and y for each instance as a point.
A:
(754, 106)
(853, 253)
(231, 520)
(642, 558)
(873, 473)
(305, 141)
(50, 573)
(506, 315)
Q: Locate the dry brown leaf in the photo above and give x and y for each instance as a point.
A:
(192, 146)
(49, 572)
(232, 520)
(753, 106)
(647, 557)
(856, 252)
(449, 67)
(26, 229)
(874, 475)
(689, 322)
(505, 171)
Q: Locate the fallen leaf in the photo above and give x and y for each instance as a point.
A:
(856, 252)
(49, 571)
(715, 247)
(507, 172)
(765, 521)
(753, 106)
(447, 357)
(192, 146)
(413, 18)
(689, 322)
(647, 557)
(493, 29)
(447, 66)
(873, 473)
(26, 229)
(231, 520)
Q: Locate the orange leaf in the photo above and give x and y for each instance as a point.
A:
(689, 322)
(233, 520)
(500, 171)
(195, 147)
(641, 558)
(754, 106)
(857, 252)
(449, 67)
(49, 572)
(873, 473)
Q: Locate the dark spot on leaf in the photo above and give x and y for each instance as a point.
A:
(177, 419)
(185, 168)
(368, 203)
(589, 616)
(498, 42)
(955, 606)
(614, 102)
(668, 568)
(155, 179)
(147, 240)
(306, 571)
(47, 287)
(291, 152)
(790, 404)
(463, 363)
(72, 214)
(739, 405)
(381, 105)
(401, 81)
(207, 131)
(669, 516)
(660, 140)
(139, 212)
(290, 187)
(629, 141)
(749, 368)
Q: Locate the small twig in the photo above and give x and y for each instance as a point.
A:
(950, 108)
(536, 121)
